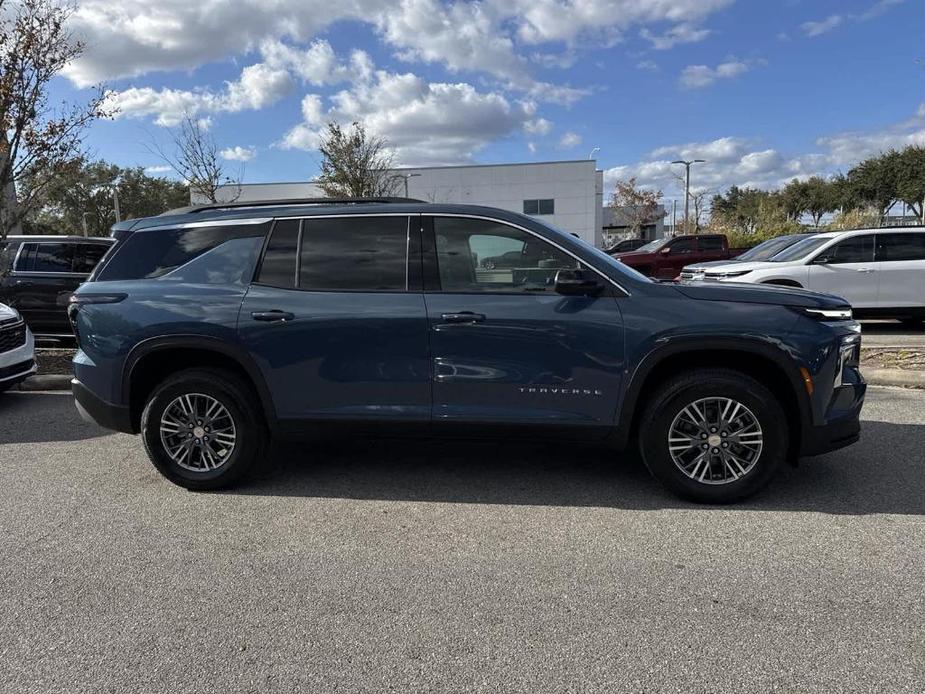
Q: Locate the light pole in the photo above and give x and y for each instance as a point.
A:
(406, 177)
(593, 152)
(687, 187)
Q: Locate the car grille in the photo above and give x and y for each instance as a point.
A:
(12, 337)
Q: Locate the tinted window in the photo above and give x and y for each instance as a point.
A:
(46, 257)
(279, 260)
(897, 247)
(88, 255)
(711, 243)
(354, 254)
(230, 262)
(150, 254)
(799, 250)
(858, 249)
(482, 256)
(683, 245)
(770, 248)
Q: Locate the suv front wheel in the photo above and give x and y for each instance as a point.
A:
(202, 430)
(713, 435)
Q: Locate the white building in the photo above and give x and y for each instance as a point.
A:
(567, 194)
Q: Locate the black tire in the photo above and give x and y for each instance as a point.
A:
(239, 401)
(669, 401)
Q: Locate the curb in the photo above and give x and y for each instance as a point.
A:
(894, 377)
(46, 382)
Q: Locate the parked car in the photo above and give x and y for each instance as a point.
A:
(38, 274)
(525, 254)
(626, 245)
(881, 272)
(17, 349)
(763, 251)
(213, 331)
(664, 258)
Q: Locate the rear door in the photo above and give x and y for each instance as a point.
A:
(508, 349)
(41, 283)
(336, 322)
(901, 257)
(847, 269)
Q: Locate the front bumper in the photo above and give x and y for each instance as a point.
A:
(95, 410)
(844, 425)
(17, 364)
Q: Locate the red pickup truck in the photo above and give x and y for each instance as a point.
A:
(662, 259)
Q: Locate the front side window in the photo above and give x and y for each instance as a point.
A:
(88, 255)
(363, 253)
(45, 257)
(483, 256)
(153, 253)
(684, 246)
(858, 249)
(711, 243)
(896, 247)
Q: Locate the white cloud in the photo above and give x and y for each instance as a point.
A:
(700, 76)
(425, 122)
(823, 26)
(569, 140)
(745, 162)
(238, 153)
(648, 65)
(681, 33)
(539, 126)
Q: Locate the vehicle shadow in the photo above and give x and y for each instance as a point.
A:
(869, 477)
(43, 417)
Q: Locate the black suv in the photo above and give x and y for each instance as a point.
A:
(211, 331)
(39, 273)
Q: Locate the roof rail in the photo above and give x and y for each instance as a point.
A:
(238, 204)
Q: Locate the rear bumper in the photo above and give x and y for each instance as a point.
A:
(97, 411)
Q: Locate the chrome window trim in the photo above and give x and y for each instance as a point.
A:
(209, 223)
(532, 233)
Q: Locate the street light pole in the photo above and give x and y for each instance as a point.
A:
(115, 204)
(687, 187)
(406, 177)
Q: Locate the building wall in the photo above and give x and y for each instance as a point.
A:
(576, 187)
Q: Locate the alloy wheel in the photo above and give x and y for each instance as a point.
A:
(715, 440)
(198, 432)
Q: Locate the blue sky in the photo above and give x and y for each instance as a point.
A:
(764, 90)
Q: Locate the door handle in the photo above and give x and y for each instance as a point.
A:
(463, 317)
(865, 269)
(274, 316)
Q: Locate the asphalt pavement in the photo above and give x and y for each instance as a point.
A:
(372, 566)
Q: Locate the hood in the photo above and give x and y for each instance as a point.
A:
(732, 265)
(631, 255)
(713, 264)
(760, 294)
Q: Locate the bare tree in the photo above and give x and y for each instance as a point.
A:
(37, 141)
(637, 206)
(355, 164)
(195, 157)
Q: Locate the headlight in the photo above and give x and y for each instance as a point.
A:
(849, 356)
(828, 314)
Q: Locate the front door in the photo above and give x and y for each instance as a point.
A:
(334, 324)
(847, 269)
(506, 347)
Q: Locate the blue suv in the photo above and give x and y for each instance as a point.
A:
(213, 330)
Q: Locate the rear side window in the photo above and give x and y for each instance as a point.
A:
(711, 243)
(895, 247)
(88, 255)
(45, 257)
(154, 253)
(363, 253)
(279, 260)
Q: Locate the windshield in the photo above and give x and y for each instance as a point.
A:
(800, 250)
(652, 245)
(771, 247)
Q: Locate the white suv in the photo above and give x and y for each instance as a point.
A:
(881, 272)
(17, 348)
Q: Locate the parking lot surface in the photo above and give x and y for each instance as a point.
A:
(408, 566)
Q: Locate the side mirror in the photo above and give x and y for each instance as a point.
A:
(822, 260)
(577, 283)
(665, 251)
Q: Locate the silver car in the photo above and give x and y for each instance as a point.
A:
(17, 348)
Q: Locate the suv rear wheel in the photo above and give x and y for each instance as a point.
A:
(713, 435)
(202, 430)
